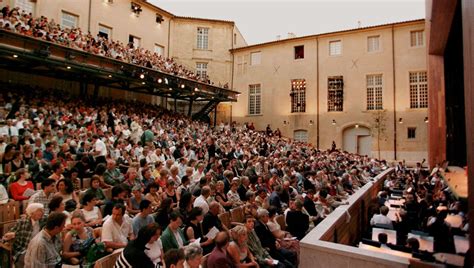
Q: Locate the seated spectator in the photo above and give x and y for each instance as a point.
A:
(77, 241)
(96, 190)
(233, 195)
(268, 240)
(261, 254)
(133, 204)
(21, 189)
(24, 230)
(151, 194)
(174, 258)
(221, 197)
(45, 195)
(193, 256)
(183, 187)
(261, 198)
(143, 218)
(211, 219)
(91, 212)
(382, 219)
(170, 192)
(186, 205)
(201, 201)
(173, 236)
(238, 249)
(117, 229)
(118, 197)
(163, 214)
(134, 254)
(413, 244)
(3, 195)
(43, 249)
(65, 189)
(113, 176)
(154, 249)
(243, 188)
(383, 239)
(219, 257)
(297, 223)
(193, 230)
(250, 206)
(274, 199)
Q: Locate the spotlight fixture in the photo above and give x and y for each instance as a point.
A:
(311, 122)
(400, 120)
(159, 18)
(136, 8)
(68, 67)
(15, 56)
(333, 122)
(143, 83)
(182, 85)
(142, 76)
(170, 89)
(196, 89)
(160, 80)
(426, 119)
(110, 76)
(357, 126)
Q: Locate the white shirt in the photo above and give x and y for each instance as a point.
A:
(380, 219)
(113, 232)
(154, 251)
(202, 203)
(13, 131)
(100, 147)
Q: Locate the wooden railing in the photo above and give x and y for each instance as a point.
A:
(330, 243)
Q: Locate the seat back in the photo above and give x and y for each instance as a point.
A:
(10, 211)
(108, 261)
(237, 214)
(280, 219)
(225, 219)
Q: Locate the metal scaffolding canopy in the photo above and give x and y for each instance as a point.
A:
(30, 55)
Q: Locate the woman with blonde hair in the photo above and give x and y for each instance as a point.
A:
(238, 249)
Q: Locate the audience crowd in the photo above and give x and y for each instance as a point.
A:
(159, 184)
(14, 20)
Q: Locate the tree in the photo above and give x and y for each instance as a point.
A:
(379, 127)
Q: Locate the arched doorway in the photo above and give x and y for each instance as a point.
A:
(357, 139)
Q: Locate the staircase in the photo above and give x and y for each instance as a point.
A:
(203, 114)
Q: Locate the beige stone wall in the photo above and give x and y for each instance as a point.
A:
(278, 67)
(184, 49)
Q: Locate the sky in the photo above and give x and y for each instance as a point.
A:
(263, 20)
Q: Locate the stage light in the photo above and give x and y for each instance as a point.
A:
(182, 85)
(15, 56)
(142, 76)
(357, 126)
(110, 76)
(170, 89)
(68, 67)
(196, 89)
(143, 83)
(160, 80)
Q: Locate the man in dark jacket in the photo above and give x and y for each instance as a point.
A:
(297, 223)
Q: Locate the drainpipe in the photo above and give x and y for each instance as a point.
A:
(90, 11)
(317, 92)
(394, 98)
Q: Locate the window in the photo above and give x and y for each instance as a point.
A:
(255, 98)
(105, 31)
(299, 52)
(202, 38)
(300, 136)
(335, 48)
(411, 133)
(255, 58)
(374, 92)
(159, 50)
(26, 5)
(201, 69)
(134, 40)
(69, 20)
(373, 43)
(418, 90)
(416, 38)
(298, 95)
(335, 94)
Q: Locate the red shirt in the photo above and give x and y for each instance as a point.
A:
(17, 190)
